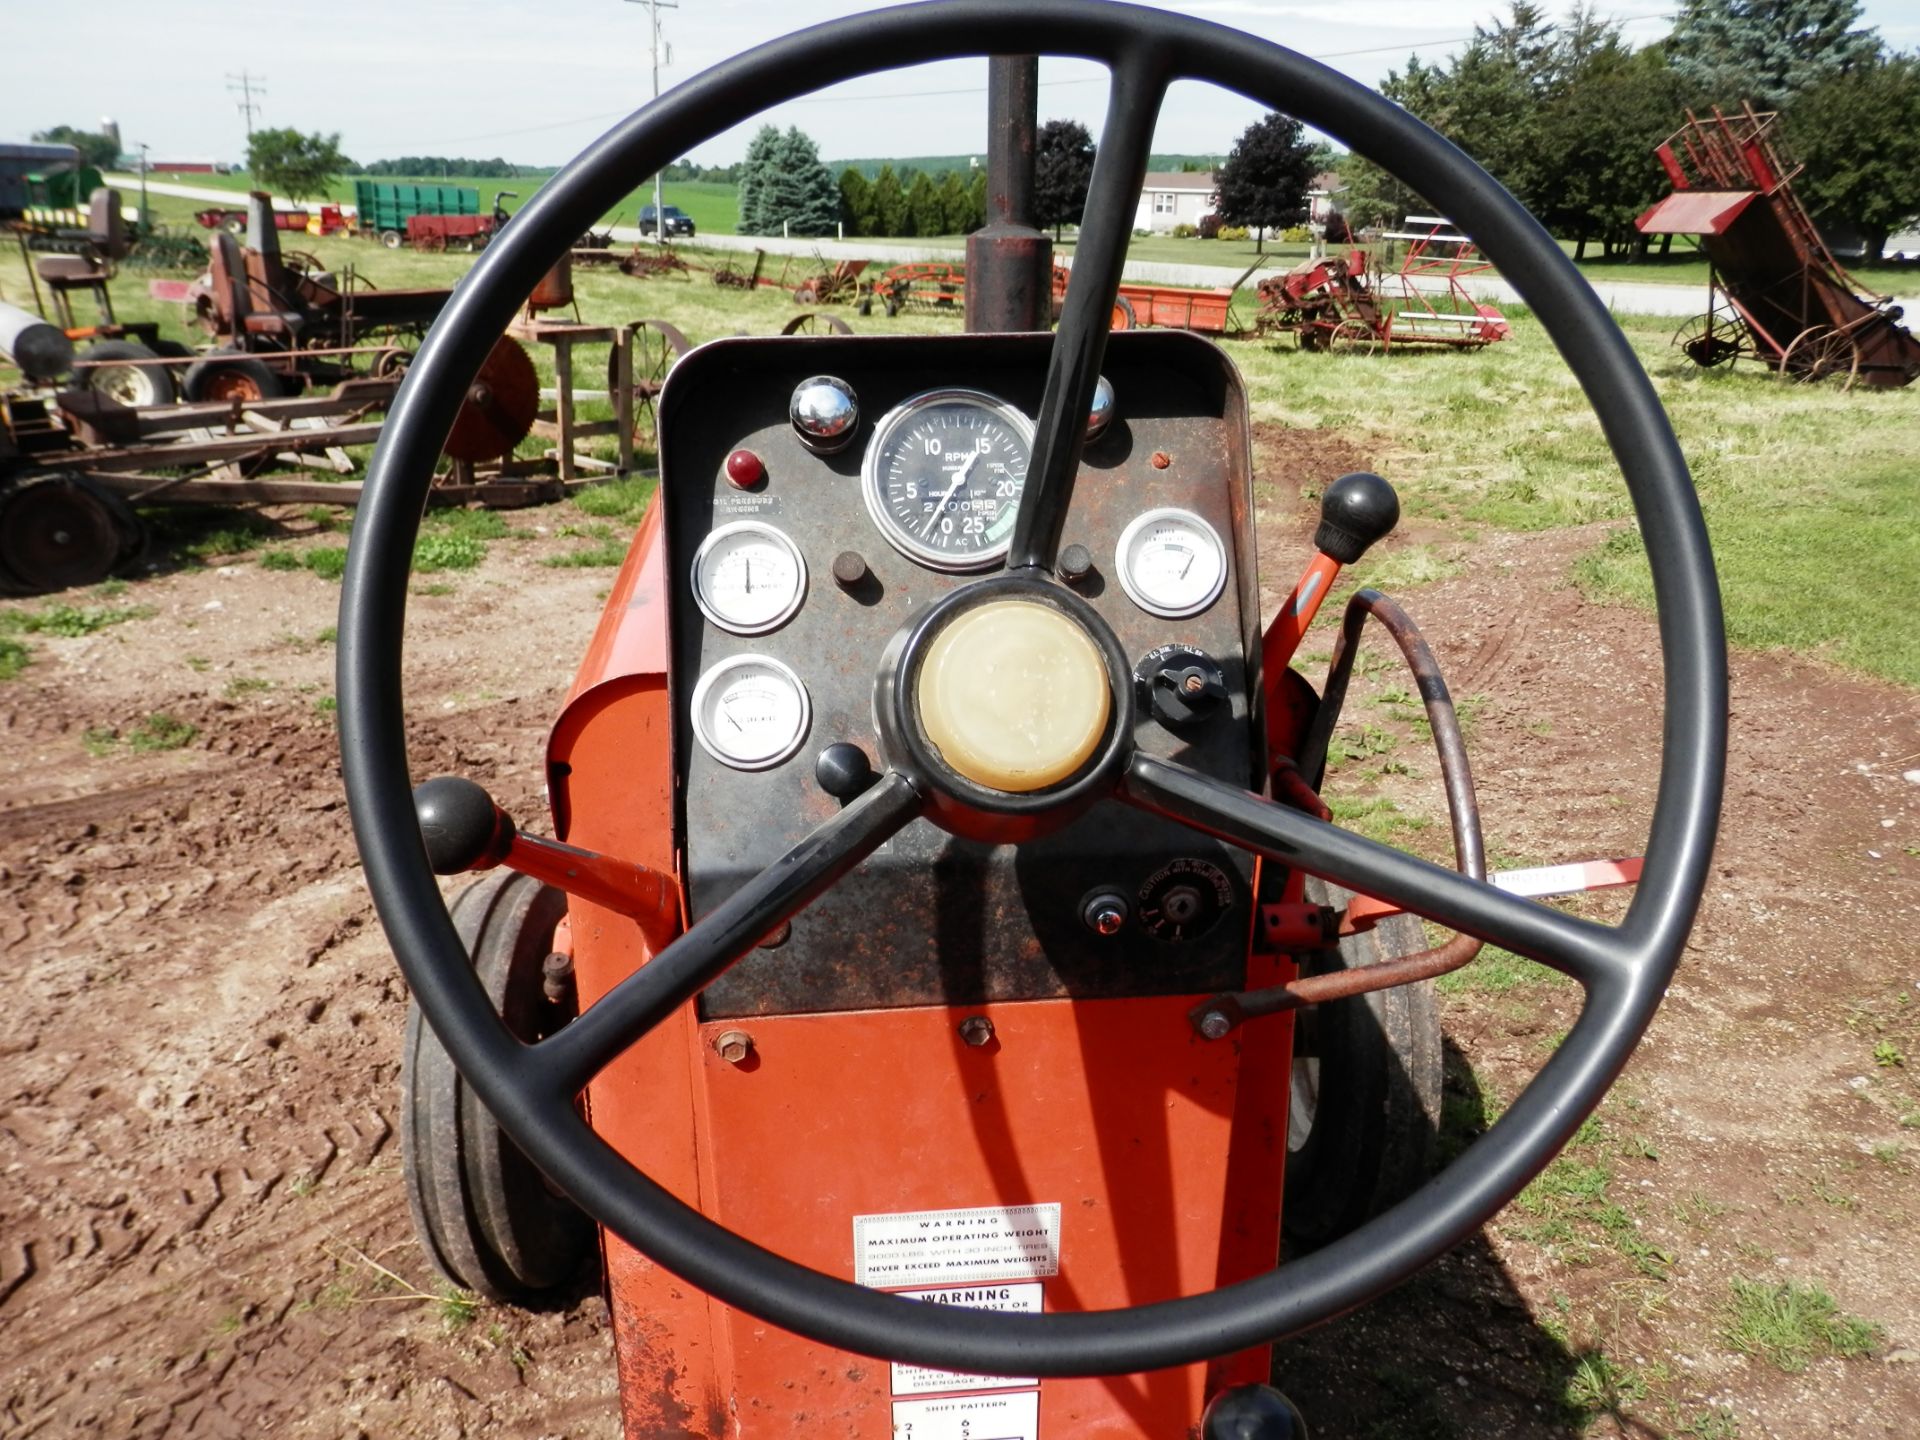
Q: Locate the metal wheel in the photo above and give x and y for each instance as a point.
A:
(1709, 340)
(1353, 337)
(485, 1216)
(391, 239)
(656, 345)
(1623, 970)
(137, 384)
(229, 375)
(815, 322)
(1821, 352)
(60, 532)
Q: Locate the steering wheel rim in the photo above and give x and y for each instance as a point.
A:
(1623, 969)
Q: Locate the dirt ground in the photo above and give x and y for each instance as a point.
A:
(203, 1228)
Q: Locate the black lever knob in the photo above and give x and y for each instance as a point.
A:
(1252, 1412)
(462, 827)
(844, 771)
(1356, 510)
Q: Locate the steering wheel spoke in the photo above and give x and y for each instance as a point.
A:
(563, 1063)
(1060, 434)
(1592, 954)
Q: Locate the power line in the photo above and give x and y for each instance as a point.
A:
(245, 86)
(981, 89)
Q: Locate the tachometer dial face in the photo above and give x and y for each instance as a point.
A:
(943, 477)
(1171, 563)
(750, 712)
(748, 578)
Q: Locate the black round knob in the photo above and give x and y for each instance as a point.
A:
(844, 771)
(462, 827)
(1252, 1412)
(1075, 564)
(849, 569)
(1356, 511)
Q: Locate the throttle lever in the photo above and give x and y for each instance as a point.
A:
(464, 829)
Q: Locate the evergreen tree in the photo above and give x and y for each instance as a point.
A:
(786, 188)
(889, 203)
(977, 201)
(1858, 134)
(923, 207)
(1767, 51)
(1063, 155)
(1264, 181)
(856, 203)
(762, 152)
(956, 206)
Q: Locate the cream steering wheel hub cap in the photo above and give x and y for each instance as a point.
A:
(1014, 695)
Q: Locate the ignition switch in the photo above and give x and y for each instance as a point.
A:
(1182, 685)
(1184, 899)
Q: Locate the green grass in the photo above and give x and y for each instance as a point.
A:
(447, 551)
(618, 499)
(69, 621)
(1800, 567)
(1498, 972)
(1791, 1325)
(605, 554)
(160, 731)
(14, 657)
(329, 562)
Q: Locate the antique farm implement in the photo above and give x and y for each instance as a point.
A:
(1345, 302)
(1775, 293)
(942, 924)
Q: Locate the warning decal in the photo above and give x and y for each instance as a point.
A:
(918, 1380)
(957, 1247)
(1013, 1416)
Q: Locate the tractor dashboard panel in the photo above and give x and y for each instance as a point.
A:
(931, 918)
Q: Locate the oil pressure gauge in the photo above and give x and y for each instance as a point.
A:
(750, 712)
(1171, 563)
(748, 577)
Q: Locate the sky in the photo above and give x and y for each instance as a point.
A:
(533, 81)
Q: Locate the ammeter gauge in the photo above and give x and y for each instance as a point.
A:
(943, 477)
(750, 712)
(1171, 563)
(748, 578)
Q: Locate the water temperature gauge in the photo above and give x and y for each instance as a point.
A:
(1171, 563)
(750, 712)
(748, 578)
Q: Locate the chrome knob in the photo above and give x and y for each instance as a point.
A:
(1102, 410)
(824, 413)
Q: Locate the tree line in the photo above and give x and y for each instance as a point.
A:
(1567, 115)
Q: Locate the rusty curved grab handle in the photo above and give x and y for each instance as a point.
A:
(1294, 782)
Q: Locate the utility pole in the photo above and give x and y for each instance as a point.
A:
(246, 87)
(146, 212)
(654, 7)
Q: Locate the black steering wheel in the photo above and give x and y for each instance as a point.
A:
(531, 1088)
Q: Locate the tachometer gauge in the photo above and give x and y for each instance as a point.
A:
(943, 476)
(750, 712)
(748, 578)
(1171, 563)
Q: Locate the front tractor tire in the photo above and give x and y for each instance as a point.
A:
(486, 1217)
(1365, 1109)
